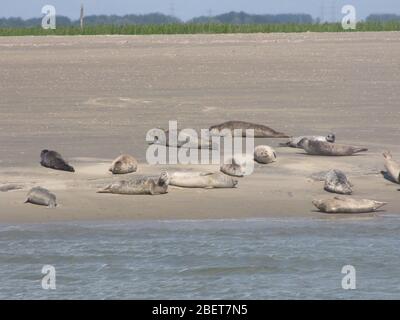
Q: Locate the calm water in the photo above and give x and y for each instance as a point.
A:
(225, 259)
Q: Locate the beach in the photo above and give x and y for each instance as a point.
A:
(92, 98)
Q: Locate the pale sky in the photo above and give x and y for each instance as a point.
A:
(186, 9)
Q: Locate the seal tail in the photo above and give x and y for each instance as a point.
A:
(387, 155)
(106, 190)
(286, 144)
(281, 135)
(379, 205)
(358, 150)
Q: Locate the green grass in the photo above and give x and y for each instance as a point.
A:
(197, 28)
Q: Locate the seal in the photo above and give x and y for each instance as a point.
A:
(53, 160)
(392, 167)
(260, 131)
(233, 168)
(323, 148)
(179, 139)
(348, 205)
(10, 187)
(124, 164)
(264, 154)
(336, 182)
(207, 180)
(294, 142)
(42, 197)
(137, 186)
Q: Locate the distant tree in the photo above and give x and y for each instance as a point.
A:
(383, 17)
(159, 18)
(245, 18)
(152, 18)
(30, 23)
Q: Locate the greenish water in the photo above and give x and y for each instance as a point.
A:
(224, 259)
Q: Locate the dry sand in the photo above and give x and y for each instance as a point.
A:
(92, 98)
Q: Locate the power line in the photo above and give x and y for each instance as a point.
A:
(172, 9)
(333, 11)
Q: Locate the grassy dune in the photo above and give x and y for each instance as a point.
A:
(198, 28)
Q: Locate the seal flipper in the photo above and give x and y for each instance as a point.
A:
(106, 190)
(68, 168)
(286, 144)
(387, 176)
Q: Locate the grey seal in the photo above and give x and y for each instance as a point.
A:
(207, 180)
(348, 205)
(53, 160)
(10, 187)
(179, 139)
(336, 182)
(294, 142)
(138, 186)
(124, 164)
(392, 167)
(260, 131)
(234, 168)
(323, 148)
(42, 197)
(264, 154)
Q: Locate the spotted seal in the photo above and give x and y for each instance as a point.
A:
(260, 131)
(207, 180)
(392, 167)
(294, 142)
(337, 182)
(124, 164)
(42, 197)
(138, 186)
(348, 205)
(323, 148)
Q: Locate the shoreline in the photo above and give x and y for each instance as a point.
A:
(281, 190)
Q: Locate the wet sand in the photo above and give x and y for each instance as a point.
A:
(92, 98)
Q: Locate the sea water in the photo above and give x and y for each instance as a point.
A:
(213, 259)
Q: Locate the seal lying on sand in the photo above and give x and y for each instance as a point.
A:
(264, 154)
(124, 164)
(239, 166)
(10, 187)
(202, 180)
(234, 168)
(146, 185)
(53, 160)
(323, 148)
(348, 205)
(42, 197)
(336, 182)
(260, 131)
(294, 141)
(392, 167)
(186, 139)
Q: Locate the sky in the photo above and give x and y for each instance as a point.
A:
(186, 9)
